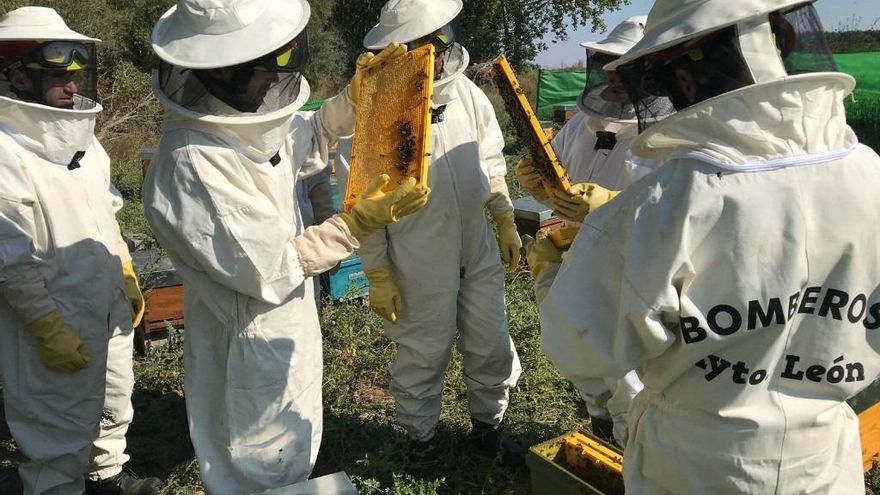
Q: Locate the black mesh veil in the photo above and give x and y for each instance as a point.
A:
(716, 63)
(801, 41)
(199, 90)
(603, 95)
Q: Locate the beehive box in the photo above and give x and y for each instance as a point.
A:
(349, 281)
(529, 216)
(576, 464)
(867, 405)
(392, 123)
(528, 129)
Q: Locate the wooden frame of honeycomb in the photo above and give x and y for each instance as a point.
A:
(528, 129)
(392, 123)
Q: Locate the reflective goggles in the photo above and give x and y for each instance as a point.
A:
(60, 55)
(291, 57)
(442, 39)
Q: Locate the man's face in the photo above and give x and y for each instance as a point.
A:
(248, 95)
(617, 89)
(439, 60)
(259, 85)
(52, 88)
(58, 88)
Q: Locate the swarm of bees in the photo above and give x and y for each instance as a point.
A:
(406, 149)
(522, 116)
(392, 126)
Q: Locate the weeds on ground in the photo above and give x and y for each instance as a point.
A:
(360, 436)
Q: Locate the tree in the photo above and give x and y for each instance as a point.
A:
(488, 27)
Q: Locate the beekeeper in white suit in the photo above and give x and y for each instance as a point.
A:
(741, 278)
(594, 147)
(69, 291)
(441, 269)
(220, 197)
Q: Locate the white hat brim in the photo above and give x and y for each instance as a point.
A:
(609, 47)
(27, 33)
(441, 14)
(689, 23)
(176, 43)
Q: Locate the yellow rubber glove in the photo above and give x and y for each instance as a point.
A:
(541, 253)
(367, 60)
(582, 198)
(384, 296)
(60, 349)
(375, 209)
(562, 238)
(508, 239)
(530, 179)
(133, 292)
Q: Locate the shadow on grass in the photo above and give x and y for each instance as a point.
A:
(158, 439)
(378, 454)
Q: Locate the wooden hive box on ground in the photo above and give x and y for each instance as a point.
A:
(528, 129)
(576, 464)
(392, 124)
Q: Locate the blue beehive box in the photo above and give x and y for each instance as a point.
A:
(348, 282)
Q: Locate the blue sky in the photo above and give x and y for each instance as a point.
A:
(835, 15)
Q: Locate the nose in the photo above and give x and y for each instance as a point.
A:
(70, 88)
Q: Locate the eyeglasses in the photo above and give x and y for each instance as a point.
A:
(442, 39)
(65, 55)
(291, 57)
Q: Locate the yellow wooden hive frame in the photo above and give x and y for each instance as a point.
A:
(393, 123)
(580, 449)
(528, 129)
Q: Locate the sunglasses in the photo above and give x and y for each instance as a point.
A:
(291, 57)
(60, 55)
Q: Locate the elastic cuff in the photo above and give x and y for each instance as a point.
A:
(322, 246)
(106, 473)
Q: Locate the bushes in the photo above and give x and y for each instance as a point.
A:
(863, 115)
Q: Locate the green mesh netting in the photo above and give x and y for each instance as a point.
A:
(558, 88)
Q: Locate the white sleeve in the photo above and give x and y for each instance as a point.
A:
(324, 245)
(374, 251)
(320, 195)
(231, 232)
(315, 132)
(491, 144)
(544, 281)
(21, 283)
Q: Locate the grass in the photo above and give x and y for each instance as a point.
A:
(359, 432)
(863, 115)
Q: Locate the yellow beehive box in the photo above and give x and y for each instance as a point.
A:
(576, 464)
(392, 123)
(528, 129)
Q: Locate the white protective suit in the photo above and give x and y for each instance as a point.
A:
(613, 169)
(60, 248)
(445, 262)
(741, 281)
(230, 222)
